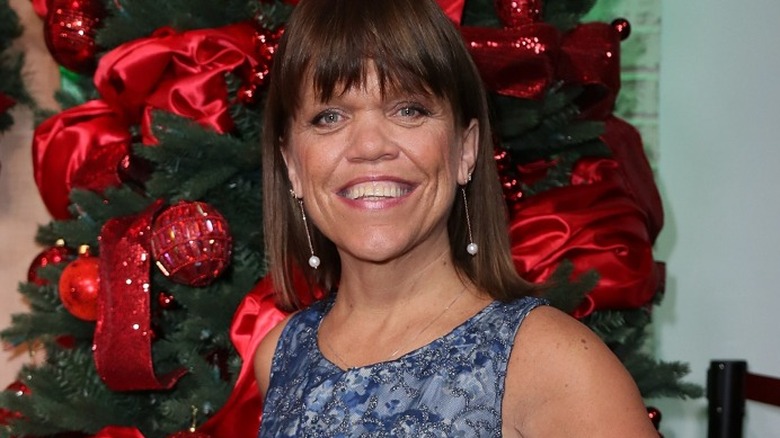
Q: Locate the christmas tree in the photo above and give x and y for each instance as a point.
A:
(150, 291)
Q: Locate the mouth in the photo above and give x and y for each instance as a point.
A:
(376, 190)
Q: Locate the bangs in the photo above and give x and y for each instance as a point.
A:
(337, 42)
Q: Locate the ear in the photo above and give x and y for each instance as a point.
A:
(292, 169)
(468, 152)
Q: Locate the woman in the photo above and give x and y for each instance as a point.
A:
(380, 188)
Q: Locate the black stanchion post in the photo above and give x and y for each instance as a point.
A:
(726, 396)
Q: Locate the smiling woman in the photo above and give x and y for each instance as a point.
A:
(384, 144)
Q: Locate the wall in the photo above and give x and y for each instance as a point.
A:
(21, 208)
(718, 171)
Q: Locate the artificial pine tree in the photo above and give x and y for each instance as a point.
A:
(156, 239)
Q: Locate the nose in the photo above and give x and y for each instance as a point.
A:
(371, 139)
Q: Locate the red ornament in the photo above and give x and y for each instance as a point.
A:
(166, 300)
(20, 390)
(69, 32)
(655, 416)
(79, 287)
(516, 13)
(51, 256)
(623, 27)
(191, 243)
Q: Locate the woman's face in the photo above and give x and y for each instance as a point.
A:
(378, 175)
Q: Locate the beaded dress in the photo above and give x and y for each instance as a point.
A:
(451, 387)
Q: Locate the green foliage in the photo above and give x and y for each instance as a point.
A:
(129, 20)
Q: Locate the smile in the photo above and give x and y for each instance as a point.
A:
(376, 190)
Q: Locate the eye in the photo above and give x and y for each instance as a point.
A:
(413, 110)
(326, 118)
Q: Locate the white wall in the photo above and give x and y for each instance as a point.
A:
(21, 208)
(719, 168)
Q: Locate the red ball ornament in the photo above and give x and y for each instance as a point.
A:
(19, 389)
(516, 13)
(69, 32)
(655, 416)
(623, 27)
(79, 287)
(50, 256)
(191, 243)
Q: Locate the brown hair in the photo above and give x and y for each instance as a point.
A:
(414, 47)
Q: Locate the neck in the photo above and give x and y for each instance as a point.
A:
(383, 286)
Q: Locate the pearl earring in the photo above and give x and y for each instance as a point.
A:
(472, 247)
(314, 261)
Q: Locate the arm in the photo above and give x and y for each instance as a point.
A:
(264, 356)
(562, 381)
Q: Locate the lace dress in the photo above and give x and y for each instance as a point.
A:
(452, 387)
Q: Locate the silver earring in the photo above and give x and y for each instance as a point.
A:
(472, 247)
(314, 261)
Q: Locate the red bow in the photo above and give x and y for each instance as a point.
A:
(182, 73)
(79, 147)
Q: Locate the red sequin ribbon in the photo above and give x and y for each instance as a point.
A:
(123, 336)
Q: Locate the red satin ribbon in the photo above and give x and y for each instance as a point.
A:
(123, 336)
(118, 432)
(79, 147)
(182, 73)
(597, 226)
(625, 142)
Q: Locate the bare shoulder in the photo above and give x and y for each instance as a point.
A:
(265, 353)
(563, 381)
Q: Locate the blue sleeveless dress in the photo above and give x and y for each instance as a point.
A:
(452, 387)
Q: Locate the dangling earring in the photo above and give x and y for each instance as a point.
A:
(314, 261)
(472, 247)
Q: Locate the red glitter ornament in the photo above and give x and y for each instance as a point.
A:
(79, 286)
(515, 13)
(19, 389)
(69, 32)
(50, 256)
(191, 243)
(623, 27)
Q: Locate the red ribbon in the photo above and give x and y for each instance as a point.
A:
(118, 432)
(605, 221)
(123, 336)
(525, 57)
(182, 73)
(79, 147)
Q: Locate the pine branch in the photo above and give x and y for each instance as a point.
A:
(131, 20)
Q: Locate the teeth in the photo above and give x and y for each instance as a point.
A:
(376, 189)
